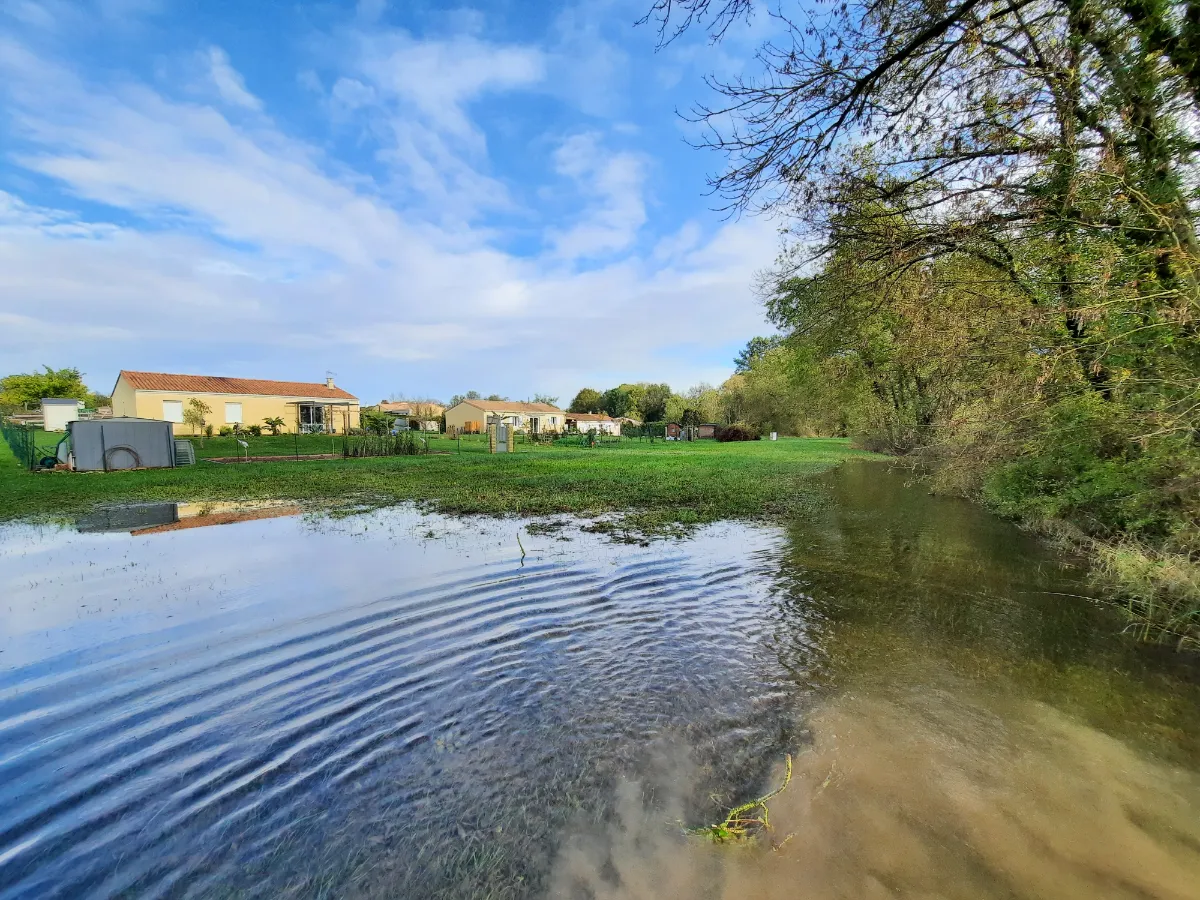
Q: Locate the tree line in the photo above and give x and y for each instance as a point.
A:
(24, 391)
(991, 257)
(733, 402)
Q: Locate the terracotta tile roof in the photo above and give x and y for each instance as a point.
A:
(211, 384)
(512, 406)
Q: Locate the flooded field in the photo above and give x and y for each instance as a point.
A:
(211, 701)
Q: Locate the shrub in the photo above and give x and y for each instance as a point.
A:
(226, 430)
(737, 432)
(374, 422)
(255, 430)
(208, 431)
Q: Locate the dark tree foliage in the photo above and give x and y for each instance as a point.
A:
(653, 406)
(617, 402)
(587, 401)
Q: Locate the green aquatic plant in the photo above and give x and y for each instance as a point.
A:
(748, 821)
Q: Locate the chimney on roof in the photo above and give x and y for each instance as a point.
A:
(329, 382)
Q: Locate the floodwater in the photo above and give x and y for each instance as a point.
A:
(210, 701)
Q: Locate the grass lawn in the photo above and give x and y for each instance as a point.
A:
(657, 485)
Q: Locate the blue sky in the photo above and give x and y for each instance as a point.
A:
(420, 197)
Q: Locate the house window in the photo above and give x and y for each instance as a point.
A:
(312, 418)
(233, 413)
(173, 410)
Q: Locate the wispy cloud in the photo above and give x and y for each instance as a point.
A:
(188, 234)
(612, 184)
(229, 81)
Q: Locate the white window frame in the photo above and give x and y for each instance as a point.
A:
(238, 420)
(178, 405)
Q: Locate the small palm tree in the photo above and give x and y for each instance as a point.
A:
(274, 423)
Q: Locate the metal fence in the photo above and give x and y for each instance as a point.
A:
(29, 444)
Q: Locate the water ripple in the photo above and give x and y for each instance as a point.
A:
(158, 767)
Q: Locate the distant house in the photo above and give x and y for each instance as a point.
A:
(601, 424)
(707, 430)
(303, 405)
(673, 431)
(472, 416)
(426, 414)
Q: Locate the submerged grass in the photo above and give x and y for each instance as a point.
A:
(1158, 591)
(658, 487)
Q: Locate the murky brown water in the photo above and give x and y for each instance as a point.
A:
(958, 793)
(208, 702)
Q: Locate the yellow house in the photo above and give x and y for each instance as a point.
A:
(303, 405)
(472, 416)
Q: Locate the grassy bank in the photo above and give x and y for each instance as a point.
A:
(658, 485)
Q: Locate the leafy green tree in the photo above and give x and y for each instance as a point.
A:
(587, 401)
(545, 398)
(706, 401)
(617, 402)
(469, 395)
(675, 408)
(25, 390)
(653, 403)
(754, 349)
(194, 413)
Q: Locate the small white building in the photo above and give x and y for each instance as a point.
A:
(56, 413)
(593, 422)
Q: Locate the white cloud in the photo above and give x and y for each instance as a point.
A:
(245, 251)
(613, 183)
(436, 79)
(229, 81)
(414, 100)
(351, 94)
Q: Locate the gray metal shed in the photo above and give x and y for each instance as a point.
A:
(101, 445)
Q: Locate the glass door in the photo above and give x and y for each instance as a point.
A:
(312, 418)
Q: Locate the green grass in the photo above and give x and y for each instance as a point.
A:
(659, 486)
